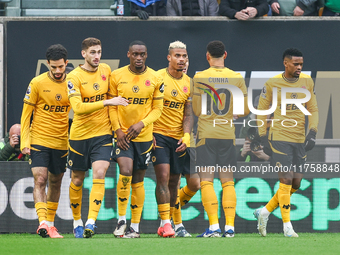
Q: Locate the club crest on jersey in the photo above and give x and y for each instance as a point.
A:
(174, 93)
(70, 85)
(103, 77)
(135, 89)
(58, 97)
(28, 90)
(293, 95)
(161, 88)
(96, 86)
(185, 89)
(147, 83)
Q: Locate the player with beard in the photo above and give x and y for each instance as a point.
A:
(46, 138)
(288, 143)
(91, 133)
(172, 141)
(133, 126)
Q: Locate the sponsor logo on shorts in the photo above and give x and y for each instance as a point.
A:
(58, 97)
(135, 89)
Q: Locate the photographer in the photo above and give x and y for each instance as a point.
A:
(10, 148)
(252, 149)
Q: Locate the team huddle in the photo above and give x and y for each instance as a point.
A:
(150, 114)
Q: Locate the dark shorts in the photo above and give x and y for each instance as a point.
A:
(190, 161)
(82, 153)
(54, 160)
(212, 152)
(139, 152)
(165, 153)
(287, 154)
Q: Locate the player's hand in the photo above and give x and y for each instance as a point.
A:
(26, 151)
(142, 14)
(261, 155)
(116, 101)
(275, 7)
(13, 140)
(246, 148)
(121, 140)
(183, 143)
(134, 130)
(241, 15)
(298, 11)
(310, 140)
(154, 143)
(252, 12)
(266, 146)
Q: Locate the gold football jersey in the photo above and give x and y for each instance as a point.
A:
(145, 94)
(289, 127)
(217, 121)
(87, 90)
(176, 94)
(47, 99)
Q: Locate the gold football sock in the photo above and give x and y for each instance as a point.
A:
(172, 210)
(229, 202)
(96, 198)
(123, 193)
(274, 202)
(164, 211)
(76, 195)
(185, 194)
(41, 209)
(284, 201)
(177, 217)
(51, 210)
(137, 201)
(209, 201)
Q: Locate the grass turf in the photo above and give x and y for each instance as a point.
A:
(307, 243)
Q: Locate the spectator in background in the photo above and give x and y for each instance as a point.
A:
(10, 147)
(295, 7)
(192, 8)
(332, 8)
(243, 10)
(248, 155)
(145, 8)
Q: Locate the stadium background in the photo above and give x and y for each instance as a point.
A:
(254, 48)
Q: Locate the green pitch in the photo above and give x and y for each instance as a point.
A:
(307, 243)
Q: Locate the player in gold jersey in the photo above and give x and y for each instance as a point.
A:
(171, 139)
(46, 138)
(287, 139)
(133, 126)
(215, 147)
(90, 136)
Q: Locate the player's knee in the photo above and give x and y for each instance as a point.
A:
(194, 185)
(40, 181)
